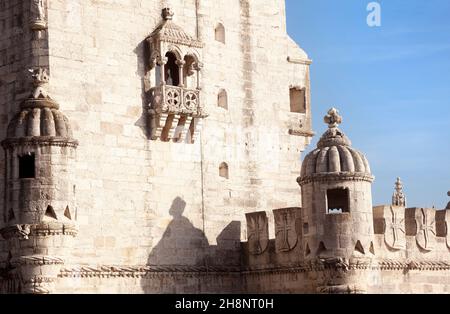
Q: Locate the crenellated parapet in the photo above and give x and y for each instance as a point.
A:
(423, 231)
(284, 248)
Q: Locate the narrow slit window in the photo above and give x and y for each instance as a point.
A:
(222, 99)
(27, 167)
(338, 201)
(298, 100)
(223, 170)
(220, 33)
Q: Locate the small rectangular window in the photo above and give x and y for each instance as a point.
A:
(298, 99)
(338, 201)
(27, 168)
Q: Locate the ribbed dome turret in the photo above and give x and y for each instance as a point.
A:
(334, 154)
(40, 118)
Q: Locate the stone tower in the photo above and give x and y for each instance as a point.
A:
(39, 212)
(181, 134)
(337, 199)
(39, 209)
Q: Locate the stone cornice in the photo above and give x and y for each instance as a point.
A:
(39, 141)
(142, 271)
(189, 271)
(42, 230)
(37, 260)
(341, 176)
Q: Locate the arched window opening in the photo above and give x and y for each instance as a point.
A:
(338, 201)
(189, 72)
(224, 171)
(297, 99)
(172, 72)
(220, 33)
(222, 99)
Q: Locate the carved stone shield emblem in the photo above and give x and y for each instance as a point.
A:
(258, 232)
(426, 229)
(286, 229)
(395, 234)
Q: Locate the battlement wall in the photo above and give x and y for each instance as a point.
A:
(410, 254)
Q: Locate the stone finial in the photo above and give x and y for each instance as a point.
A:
(167, 14)
(333, 119)
(399, 198)
(40, 83)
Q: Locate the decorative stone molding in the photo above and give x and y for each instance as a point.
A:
(38, 20)
(330, 177)
(287, 228)
(258, 232)
(142, 271)
(39, 142)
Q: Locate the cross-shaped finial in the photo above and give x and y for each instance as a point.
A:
(333, 119)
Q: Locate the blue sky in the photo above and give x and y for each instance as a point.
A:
(391, 84)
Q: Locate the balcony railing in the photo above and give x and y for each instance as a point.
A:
(176, 113)
(175, 100)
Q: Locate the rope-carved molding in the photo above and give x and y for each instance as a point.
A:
(314, 266)
(141, 271)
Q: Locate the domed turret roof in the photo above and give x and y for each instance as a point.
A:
(168, 31)
(334, 155)
(39, 122)
(40, 118)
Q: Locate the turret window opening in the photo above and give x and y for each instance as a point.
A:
(172, 72)
(338, 201)
(27, 167)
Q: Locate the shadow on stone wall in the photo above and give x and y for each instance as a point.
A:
(185, 247)
(142, 53)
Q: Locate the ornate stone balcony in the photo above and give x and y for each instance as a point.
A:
(174, 111)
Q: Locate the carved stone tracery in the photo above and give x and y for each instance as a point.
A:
(175, 111)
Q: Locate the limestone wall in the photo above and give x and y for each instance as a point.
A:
(140, 201)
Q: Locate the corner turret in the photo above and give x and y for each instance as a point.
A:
(39, 213)
(337, 217)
